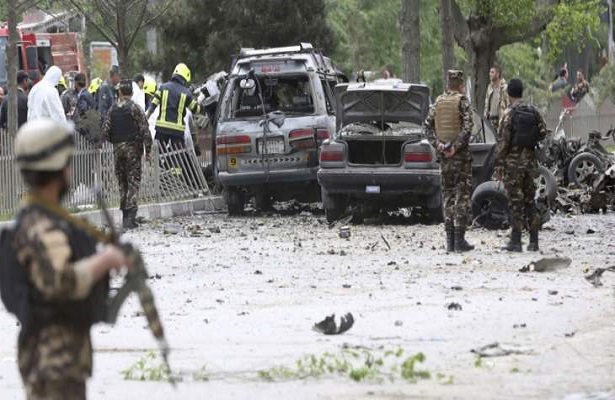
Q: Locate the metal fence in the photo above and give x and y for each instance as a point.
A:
(586, 117)
(174, 173)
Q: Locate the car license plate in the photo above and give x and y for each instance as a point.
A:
(372, 189)
(275, 145)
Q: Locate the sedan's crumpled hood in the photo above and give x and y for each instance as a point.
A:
(387, 102)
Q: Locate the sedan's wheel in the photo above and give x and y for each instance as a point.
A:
(583, 167)
(490, 205)
(334, 205)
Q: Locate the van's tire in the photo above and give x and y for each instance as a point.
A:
(490, 205)
(334, 205)
(582, 166)
(263, 200)
(546, 185)
(435, 215)
(235, 200)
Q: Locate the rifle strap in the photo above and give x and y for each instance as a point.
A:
(55, 209)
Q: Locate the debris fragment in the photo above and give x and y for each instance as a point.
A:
(171, 229)
(522, 325)
(385, 241)
(456, 288)
(328, 326)
(214, 229)
(553, 292)
(594, 277)
(454, 306)
(498, 350)
(398, 323)
(570, 334)
(344, 232)
(547, 264)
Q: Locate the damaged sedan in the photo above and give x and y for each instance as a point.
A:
(379, 159)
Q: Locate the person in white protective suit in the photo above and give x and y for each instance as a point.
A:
(44, 100)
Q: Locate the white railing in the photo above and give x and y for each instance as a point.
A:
(174, 173)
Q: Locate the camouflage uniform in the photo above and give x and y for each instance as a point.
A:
(500, 92)
(55, 356)
(456, 171)
(128, 153)
(519, 168)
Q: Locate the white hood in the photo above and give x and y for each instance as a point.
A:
(44, 99)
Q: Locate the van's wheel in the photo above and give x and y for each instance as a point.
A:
(435, 215)
(490, 205)
(546, 186)
(235, 200)
(263, 201)
(334, 205)
(582, 167)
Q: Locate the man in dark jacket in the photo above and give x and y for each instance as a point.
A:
(23, 86)
(107, 93)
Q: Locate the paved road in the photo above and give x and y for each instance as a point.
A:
(245, 299)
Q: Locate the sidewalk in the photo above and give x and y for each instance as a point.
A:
(154, 211)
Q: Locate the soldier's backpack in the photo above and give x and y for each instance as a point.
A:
(525, 130)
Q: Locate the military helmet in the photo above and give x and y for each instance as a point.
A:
(149, 86)
(95, 84)
(182, 70)
(44, 145)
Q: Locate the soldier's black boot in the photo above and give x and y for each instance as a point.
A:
(131, 216)
(450, 237)
(514, 244)
(461, 244)
(533, 245)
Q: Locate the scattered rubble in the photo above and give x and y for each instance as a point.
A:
(594, 277)
(499, 350)
(328, 326)
(547, 264)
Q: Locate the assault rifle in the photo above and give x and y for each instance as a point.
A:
(135, 281)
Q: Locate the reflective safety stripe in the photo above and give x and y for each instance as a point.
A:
(170, 125)
(180, 109)
(163, 108)
(195, 107)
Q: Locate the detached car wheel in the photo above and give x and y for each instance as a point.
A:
(582, 167)
(235, 201)
(334, 205)
(546, 186)
(490, 205)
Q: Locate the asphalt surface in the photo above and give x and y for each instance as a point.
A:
(240, 295)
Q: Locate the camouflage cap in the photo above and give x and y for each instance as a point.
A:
(454, 76)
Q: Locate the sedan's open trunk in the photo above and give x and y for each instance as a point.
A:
(375, 151)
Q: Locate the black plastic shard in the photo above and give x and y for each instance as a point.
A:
(328, 326)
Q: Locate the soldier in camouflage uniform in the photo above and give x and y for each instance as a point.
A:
(127, 128)
(51, 276)
(521, 129)
(448, 129)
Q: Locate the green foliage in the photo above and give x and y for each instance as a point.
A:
(574, 21)
(204, 34)
(147, 368)
(356, 364)
(478, 362)
(604, 84)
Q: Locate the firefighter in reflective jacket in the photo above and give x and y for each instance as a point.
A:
(174, 98)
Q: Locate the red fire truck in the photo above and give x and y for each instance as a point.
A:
(37, 51)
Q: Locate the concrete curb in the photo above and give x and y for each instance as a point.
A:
(153, 211)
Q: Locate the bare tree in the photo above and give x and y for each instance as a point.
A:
(120, 21)
(447, 40)
(14, 9)
(410, 40)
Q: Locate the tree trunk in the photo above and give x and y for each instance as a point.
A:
(123, 60)
(410, 41)
(448, 44)
(480, 60)
(12, 62)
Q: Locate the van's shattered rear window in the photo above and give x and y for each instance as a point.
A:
(290, 94)
(378, 128)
